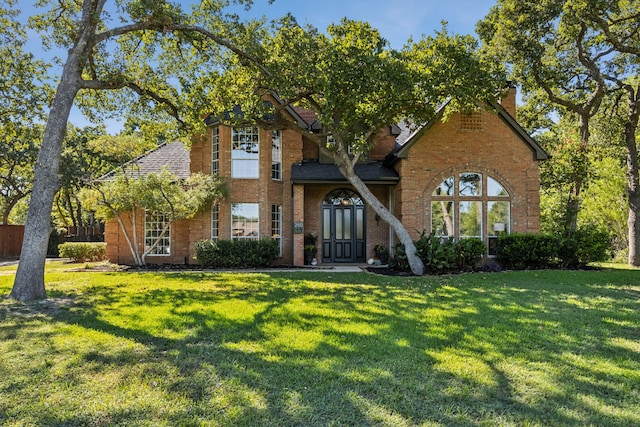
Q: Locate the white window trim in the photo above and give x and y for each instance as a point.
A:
(215, 151)
(276, 234)
(276, 154)
(246, 237)
(249, 130)
(215, 219)
(167, 236)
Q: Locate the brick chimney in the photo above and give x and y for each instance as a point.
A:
(509, 101)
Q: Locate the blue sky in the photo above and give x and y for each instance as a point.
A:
(397, 20)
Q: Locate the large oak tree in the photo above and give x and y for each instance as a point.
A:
(570, 55)
(109, 49)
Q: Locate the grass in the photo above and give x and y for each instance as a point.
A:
(323, 349)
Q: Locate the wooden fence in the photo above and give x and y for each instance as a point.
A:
(11, 240)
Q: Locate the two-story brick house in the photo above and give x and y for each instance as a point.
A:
(471, 176)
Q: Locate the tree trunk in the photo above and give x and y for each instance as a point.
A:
(132, 248)
(29, 281)
(633, 177)
(415, 263)
(573, 201)
(7, 210)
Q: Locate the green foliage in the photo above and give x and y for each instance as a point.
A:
(82, 251)
(536, 251)
(605, 204)
(242, 253)
(163, 193)
(527, 251)
(587, 244)
(25, 100)
(469, 252)
(399, 259)
(440, 255)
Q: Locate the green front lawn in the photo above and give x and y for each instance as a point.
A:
(543, 348)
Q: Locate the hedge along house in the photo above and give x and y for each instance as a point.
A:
(475, 175)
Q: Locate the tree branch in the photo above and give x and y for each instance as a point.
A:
(174, 111)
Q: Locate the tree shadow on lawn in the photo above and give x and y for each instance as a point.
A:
(362, 351)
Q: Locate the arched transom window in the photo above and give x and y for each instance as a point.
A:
(470, 204)
(343, 196)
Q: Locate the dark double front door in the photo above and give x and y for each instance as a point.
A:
(343, 233)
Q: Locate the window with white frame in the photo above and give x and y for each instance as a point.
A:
(157, 233)
(470, 204)
(245, 221)
(276, 155)
(245, 152)
(276, 226)
(215, 152)
(215, 222)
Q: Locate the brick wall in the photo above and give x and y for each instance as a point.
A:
(118, 251)
(482, 143)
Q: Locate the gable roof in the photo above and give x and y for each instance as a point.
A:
(172, 156)
(411, 138)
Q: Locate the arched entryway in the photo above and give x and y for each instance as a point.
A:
(343, 227)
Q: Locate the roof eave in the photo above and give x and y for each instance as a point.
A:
(539, 153)
(384, 181)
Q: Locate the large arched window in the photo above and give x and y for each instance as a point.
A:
(470, 204)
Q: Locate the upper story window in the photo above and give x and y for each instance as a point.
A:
(331, 142)
(245, 153)
(276, 155)
(215, 152)
(479, 208)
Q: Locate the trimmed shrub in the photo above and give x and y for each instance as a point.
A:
(527, 251)
(82, 251)
(236, 253)
(587, 244)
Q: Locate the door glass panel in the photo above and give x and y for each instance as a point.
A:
(347, 224)
(359, 224)
(326, 230)
(339, 224)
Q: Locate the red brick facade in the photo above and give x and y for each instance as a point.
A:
(484, 143)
